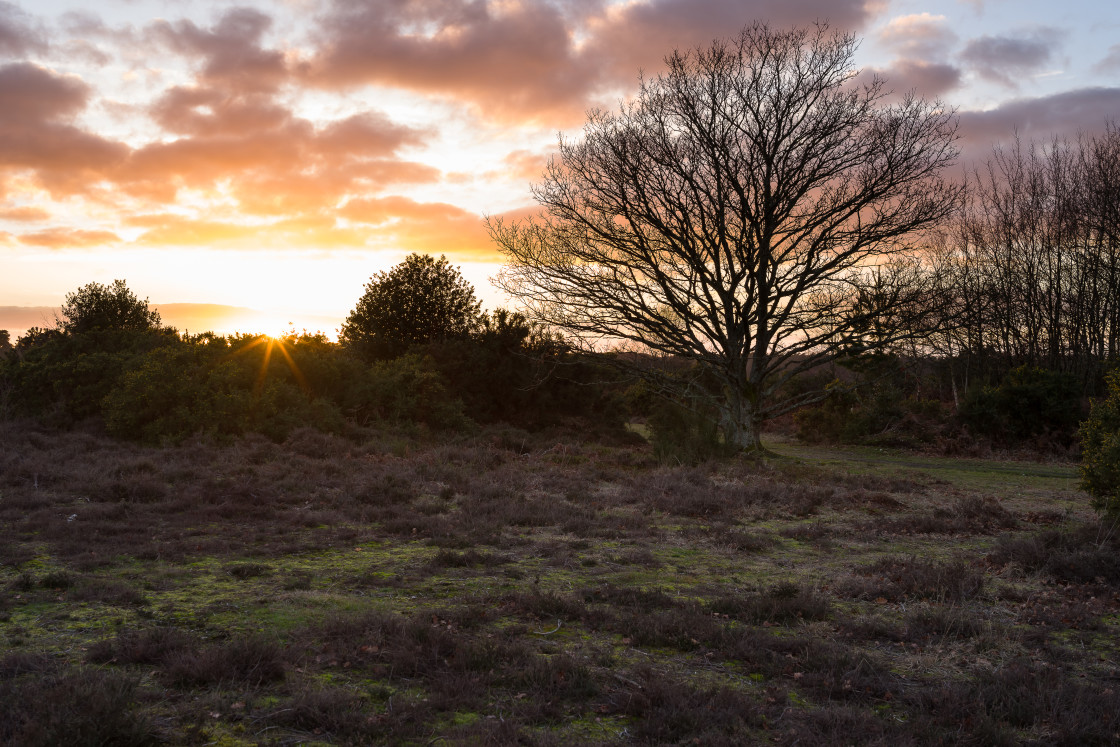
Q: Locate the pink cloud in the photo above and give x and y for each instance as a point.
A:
(230, 51)
(533, 61)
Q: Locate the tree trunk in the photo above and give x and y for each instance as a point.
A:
(740, 421)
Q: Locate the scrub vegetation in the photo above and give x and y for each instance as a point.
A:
(514, 587)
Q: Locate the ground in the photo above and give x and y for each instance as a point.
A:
(512, 588)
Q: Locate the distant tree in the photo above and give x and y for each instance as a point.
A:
(753, 209)
(96, 307)
(420, 300)
(5, 342)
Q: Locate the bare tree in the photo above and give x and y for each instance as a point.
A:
(752, 209)
(1034, 263)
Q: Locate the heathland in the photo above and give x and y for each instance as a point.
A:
(539, 588)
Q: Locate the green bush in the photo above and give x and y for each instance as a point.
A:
(65, 376)
(831, 420)
(685, 436)
(1028, 402)
(407, 389)
(421, 300)
(1100, 449)
(103, 307)
(512, 371)
(215, 387)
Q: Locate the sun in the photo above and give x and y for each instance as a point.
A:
(271, 343)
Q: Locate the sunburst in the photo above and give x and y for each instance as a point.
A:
(280, 343)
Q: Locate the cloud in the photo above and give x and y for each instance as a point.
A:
(513, 61)
(68, 238)
(1008, 59)
(920, 35)
(1111, 61)
(283, 165)
(303, 232)
(30, 94)
(19, 34)
(237, 136)
(24, 214)
(922, 43)
(37, 107)
(928, 80)
(427, 227)
(1063, 114)
(202, 111)
(641, 34)
(522, 164)
(532, 61)
(230, 51)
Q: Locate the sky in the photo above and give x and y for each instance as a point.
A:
(250, 165)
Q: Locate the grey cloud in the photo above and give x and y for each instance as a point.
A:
(19, 33)
(1007, 59)
(231, 50)
(1064, 114)
(36, 110)
(30, 94)
(1111, 61)
(928, 80)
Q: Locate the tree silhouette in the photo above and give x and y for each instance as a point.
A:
(752, 209)
(95, 307)
(420, 300)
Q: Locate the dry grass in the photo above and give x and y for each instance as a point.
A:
(529, 590)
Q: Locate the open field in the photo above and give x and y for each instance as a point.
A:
(507, 588)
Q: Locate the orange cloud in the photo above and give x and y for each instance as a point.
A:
(26, 213)
(427, 227)
(307, 232)
(68, 238)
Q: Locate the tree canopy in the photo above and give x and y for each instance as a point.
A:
(420, 300)
(754, 209)
(96, 307)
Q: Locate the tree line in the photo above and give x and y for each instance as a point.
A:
(417, 351)
(1031, 268)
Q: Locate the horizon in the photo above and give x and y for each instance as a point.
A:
(272, 158)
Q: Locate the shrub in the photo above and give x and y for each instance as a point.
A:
(515, 372)
(1100, 449)
(407, 389)
(420, 300)
(218, 387)
(878, 412)
(1028, 402)
(102, 307)
(82, 707)
(683, 436)
(68, 375)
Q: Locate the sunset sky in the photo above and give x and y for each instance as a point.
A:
(273, 156)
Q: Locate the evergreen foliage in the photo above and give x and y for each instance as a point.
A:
(1100, 448)
(419, 301)
(1029, 402)
(97, 307)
